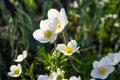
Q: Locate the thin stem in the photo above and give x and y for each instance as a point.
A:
(74, 67)
(27, 63)
(63, 34)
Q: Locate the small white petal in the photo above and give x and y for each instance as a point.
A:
(54, 74)
(60, 47)
(25, 54)
(38, 35)
(75, 78)
(20, 58)
(72, 44)
(63, 14)
(53, 13)
(13, 67)
(42, 77)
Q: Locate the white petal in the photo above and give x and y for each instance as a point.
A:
(47, 25)
(38, 35)
(72, 44)
(53, 38)
(53, 75)
(13, 67)
(110, 69)
(12, 75)
(53, 13)
(95, 64)
(24, 53)
(63, 14)
(79, 78)
(117, 57)
(42, 77)
(20, 58)
(73, 78)
(61, 47)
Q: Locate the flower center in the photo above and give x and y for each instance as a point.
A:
(101, 70)
(50, 79)
(58, 26)
(112, 60)
(16, 72)
(68, 49)
(47, 34)
(59, 77)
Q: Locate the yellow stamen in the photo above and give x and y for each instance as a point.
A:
(50, 79)
(58, 26)
(68, 49)
(102, 70)
(16, 72)
(47, 34)
(59, 77)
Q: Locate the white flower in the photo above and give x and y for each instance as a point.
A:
(75, 78)
(15, 70)
(68, 49)
(59, 18)
(74, 4)
(59, 75)
(113, 58)
(46, 33)
(116, 24)
(45, 77)
(114, 16)
(101, 69)
(21, 57)
(102, 20)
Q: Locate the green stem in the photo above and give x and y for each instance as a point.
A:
(63, 34)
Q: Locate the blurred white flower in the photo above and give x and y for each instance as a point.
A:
(116, 24)
(59, 18)
(21, 57)
(102, 20)
(75, 78)
(74, 4)
(101, 69)
(103, 2)
(113, 58)
(88, 9)
(68, 49)
(92, 79)
(15, 70)
(46, 33)
(110, 15)
(114, 16)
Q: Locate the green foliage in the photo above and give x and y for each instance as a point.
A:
(96, 39)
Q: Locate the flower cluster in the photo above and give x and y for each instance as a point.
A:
(59, 75)
(17, 70)
(49, 29)
(105, 66)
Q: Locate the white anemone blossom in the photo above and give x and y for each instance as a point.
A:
(68, 49)
(75, 78)
(113, 58)
(101, 69)
(46, 33)
(21, 57)
(15, 70)
(59, 18)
